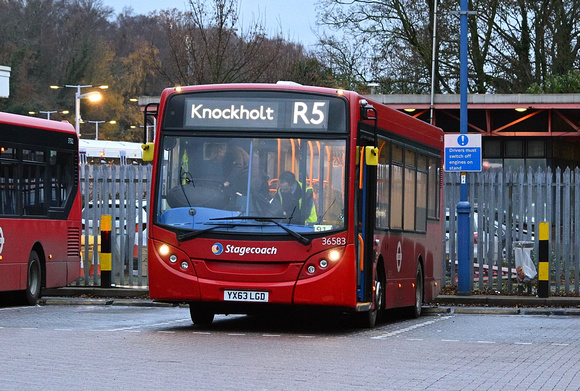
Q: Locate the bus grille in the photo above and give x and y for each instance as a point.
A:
(73, 246)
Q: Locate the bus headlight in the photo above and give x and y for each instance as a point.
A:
(174, 258)
(164, 249)
(321, 263)
(334, 255)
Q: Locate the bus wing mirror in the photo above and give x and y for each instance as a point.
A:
(148, 149)
(368, 112)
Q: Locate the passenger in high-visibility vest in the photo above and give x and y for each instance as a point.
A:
(184, 166)
(296, 200)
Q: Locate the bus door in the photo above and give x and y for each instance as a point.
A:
(366, 190)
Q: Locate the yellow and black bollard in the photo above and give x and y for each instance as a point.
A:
(544, 260)
(105, 254)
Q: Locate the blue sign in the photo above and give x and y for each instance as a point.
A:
(462, 152)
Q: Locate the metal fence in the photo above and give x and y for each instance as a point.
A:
(121, 191)
(507, 208)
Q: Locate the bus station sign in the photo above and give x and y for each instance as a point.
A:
(463, 152)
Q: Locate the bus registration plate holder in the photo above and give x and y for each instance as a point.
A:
(251, 296)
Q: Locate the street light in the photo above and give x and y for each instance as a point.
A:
(146, 130)
(97, 126)
(93, 96)
(49, 112)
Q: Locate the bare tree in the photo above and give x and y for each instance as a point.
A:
(512, 43)
(53, 42)
(207, 45)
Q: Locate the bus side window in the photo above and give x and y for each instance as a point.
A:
(8, 193)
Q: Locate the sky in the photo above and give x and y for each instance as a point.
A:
(295, 18)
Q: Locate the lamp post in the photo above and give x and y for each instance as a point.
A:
(464, 261)
(49, 112)
(93, 96)
(97, 126)
(146, 129)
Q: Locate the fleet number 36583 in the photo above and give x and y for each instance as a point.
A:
(334, 241)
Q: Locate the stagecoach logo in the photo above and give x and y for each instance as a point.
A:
(217, 248)
(1, 240)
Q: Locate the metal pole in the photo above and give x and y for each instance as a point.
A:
(78, 111)
(463, 207)
(78, 104)
(432, 102)
(96, 127)
(48, 113)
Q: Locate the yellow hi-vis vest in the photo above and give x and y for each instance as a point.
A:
(312, 216)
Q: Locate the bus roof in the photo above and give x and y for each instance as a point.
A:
(40, 123)
(407, 125)
(389, 118)
(280, 86)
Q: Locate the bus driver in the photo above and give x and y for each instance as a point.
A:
(295, 200)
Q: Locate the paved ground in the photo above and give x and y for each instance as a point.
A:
(501, 304)
(113, 347)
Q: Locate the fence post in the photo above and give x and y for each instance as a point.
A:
(544, 261)
(105, 254)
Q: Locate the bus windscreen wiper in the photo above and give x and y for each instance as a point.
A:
(191, 235)
(302, 239)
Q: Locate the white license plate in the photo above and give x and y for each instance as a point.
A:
(251, 296)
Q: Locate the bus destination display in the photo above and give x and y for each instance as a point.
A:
(256, 114)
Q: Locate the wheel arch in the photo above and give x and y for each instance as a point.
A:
(382, 274)
(421, 262)
(39, 249)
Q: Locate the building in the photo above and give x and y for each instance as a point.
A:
(530, 130)
(106, 152)
(4, 81)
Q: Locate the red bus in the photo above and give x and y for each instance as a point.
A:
(40, 207)
(364, 233)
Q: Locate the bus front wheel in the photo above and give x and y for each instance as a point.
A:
(369, 319)
(200, 316)
(33, 279)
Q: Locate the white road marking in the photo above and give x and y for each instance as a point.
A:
(410, 328)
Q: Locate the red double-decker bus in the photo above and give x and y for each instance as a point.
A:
(286, 195)
(40, 208)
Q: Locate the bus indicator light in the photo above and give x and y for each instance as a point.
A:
(184, 265)
(173, 258)
(311, 269)
(323, 263)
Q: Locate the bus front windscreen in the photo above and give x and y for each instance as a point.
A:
(256, 186)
